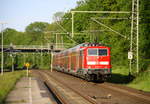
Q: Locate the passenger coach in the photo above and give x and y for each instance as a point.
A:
(87, 60)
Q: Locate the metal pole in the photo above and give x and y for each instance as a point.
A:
(2, 57)
(72, 24)
(27, 71)
(12, 64)
(41, 56)
(48, 51)
(131, 37)
(48, 47)
(33, 57)
(24, 59)
(51, 60)
(62, 41)
(56, 41)
(137, 36)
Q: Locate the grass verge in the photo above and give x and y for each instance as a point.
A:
(140, 82)
(7, 82)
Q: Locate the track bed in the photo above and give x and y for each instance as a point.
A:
(94, 93)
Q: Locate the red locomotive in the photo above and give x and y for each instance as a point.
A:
(88, 60)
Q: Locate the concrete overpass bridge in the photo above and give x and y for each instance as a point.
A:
(36, 48)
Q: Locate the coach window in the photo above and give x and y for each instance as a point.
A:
(102, 52)
(92, 52)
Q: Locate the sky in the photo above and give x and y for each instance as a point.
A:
(20, 13)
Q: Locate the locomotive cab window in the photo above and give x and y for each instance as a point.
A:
(92, 52)
(102, 52)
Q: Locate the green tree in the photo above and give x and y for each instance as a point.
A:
(36, 27)
(120, 46)
(36, 30)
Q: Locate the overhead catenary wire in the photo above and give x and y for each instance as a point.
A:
(109, 28)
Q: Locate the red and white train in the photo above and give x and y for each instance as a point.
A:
(88, 60)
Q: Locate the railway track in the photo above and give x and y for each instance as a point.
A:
(64, 93)
(92, 93)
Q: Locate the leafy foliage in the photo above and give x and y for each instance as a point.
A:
(42, 33)
(119, 45)
(36, 27)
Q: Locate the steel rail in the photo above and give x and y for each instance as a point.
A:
(53, 89)
(85, 97)
(90, 100)
(113, 87)
(124, 91)
(109, 86)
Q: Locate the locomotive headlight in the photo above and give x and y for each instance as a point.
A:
(89, 66)
(91, 63)
(104, 63)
